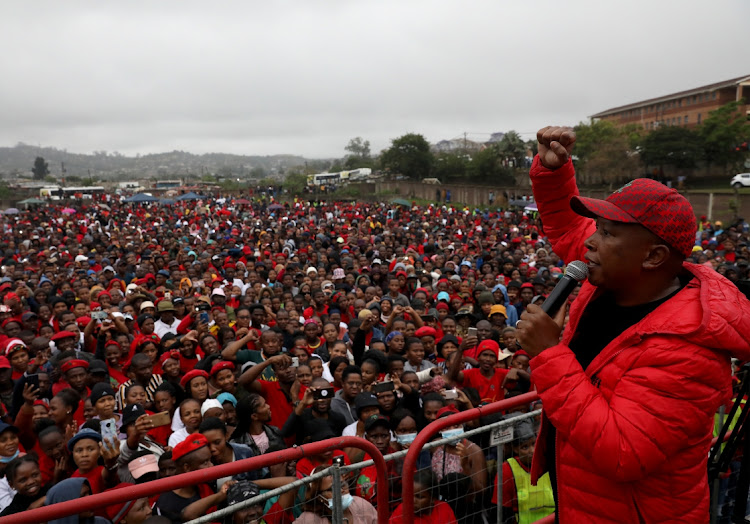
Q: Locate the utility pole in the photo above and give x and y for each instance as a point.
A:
(62, 168)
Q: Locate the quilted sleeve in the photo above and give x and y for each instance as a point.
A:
(659, 406)
(565, 229)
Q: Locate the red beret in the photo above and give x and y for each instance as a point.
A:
(63, 334)
(75, 363)
(527, 285)
(425, 331)
(222, 364)
(190, 375)
(83, 321)
(442, 305)
(192, 443)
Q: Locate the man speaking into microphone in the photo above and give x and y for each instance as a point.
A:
(630, 390)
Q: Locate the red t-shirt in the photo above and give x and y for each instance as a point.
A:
(281, 407)
(441, 514)
(490, 389)
(96, 481)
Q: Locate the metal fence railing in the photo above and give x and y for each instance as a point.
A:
(107, 498)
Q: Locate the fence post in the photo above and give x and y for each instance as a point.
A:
(338, 512)
(500, 460)
(424, 436)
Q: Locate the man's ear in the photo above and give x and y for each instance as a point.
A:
(656, 257)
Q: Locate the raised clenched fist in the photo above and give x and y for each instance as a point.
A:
(555, 145)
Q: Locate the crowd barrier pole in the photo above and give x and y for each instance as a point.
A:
(93, 502)
(424, 436)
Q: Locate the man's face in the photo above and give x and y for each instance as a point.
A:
(257, 317)
(199, 459)
(77, 378)
(352, 385)
(615, 253)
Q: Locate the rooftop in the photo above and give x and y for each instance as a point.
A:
(710, 87)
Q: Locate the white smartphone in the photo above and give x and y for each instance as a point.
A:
(109, 430)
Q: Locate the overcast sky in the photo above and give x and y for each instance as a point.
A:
(304, 77)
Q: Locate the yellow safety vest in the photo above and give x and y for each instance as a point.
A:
(534, 502)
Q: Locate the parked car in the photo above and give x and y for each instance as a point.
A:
(741, 180)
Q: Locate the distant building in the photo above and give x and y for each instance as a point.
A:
(168, 184)
(686, 108)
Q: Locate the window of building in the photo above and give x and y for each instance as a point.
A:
(713, 95)
(679, 120)
(686, 119)
(699, 118)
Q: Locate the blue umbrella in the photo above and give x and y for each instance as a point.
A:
(141, 198)
(191, 196)
(11, 211)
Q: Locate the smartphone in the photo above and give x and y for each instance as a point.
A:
(204, 317)
(450, 394)
(295, 362)
(160, 419)
(33, 380)
(382, 387)
(109, 430)
(338, 460)
(323, 393)
(99, 315)
(472, 332)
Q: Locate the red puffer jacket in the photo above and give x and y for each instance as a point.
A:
(632, 442)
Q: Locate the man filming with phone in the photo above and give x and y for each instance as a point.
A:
(631, 388)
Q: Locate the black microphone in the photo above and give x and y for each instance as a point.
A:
(574, 273)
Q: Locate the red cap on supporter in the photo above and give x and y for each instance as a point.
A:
(63, 334)
(488, 345)
(222, 364)
(190, 375)
(192, 443)
(447, 410)
(72, 364)
(425, 331)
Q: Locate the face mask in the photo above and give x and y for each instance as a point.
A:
(406, 438)
(5, 460)
(451, 433)
(346, 501)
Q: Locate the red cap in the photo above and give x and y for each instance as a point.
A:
(190, 375)
(4, 363)
(447, 410)
(222, 364)
(75, 363)
(425, 331)
(14, 345)
(527, 285)
(63, 334)
(488, 345)
(169, 354)
(442, 305)
(660, 209)
(192, 443)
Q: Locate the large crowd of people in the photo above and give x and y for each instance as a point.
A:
(144, 341)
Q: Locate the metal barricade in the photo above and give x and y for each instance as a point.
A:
(477, 508)
(101, 500)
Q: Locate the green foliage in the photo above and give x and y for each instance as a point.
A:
(409, 155)
(295, 182)
(605, 152)
(512, 149)
(359, 148)
(40, 168)
(722, 132)
(5, 191)
(671, 145)
(451, 166)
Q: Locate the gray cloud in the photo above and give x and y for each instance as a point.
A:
(304, 77)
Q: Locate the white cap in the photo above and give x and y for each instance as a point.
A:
(147, 304)
(81, 258)
(218, 291)
(210, 403)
